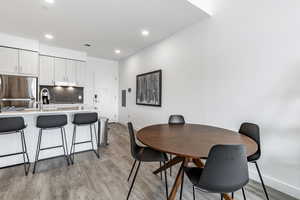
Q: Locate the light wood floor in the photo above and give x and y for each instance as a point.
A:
(94, 179)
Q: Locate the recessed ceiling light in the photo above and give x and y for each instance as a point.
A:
(117, 51)
(50, 1)
(145, 32)
(49, 36)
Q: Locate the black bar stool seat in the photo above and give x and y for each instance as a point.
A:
(84, 119)
(12, 125)
(81, 119)
(51, 121)
(45, 122)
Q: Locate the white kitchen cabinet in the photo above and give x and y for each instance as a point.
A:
(81, 74)
(9, 60)
(60, 68)
(71, 71)
(28, 63)
(46, 70)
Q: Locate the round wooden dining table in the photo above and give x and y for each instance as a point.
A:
(189, 143)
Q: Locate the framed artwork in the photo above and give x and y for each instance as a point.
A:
(148, 88)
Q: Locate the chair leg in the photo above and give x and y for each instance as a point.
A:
(171, 157)
(131, 170)
(64, 144)
(134, 178)
(24, 150)
(243, 190)
(261, 179)
(222, 196)
(37, 150)
(182, 182)
(97, 140)
(91, 132)
(166, 182)
(160, 172)
(232, 195)
(72, 150)
(65, 137)
(194, 195)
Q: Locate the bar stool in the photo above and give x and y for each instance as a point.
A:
(84, 119)
(48, 122)
(11, 125)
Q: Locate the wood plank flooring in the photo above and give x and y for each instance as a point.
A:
(101, 179)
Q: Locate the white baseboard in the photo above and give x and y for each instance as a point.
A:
(277, 184)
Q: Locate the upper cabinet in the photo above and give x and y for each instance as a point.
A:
(46, 70)
(67, 72)
(60, 69)
(71, 71)
(28, 62)
(81, 74)
(9, 60)
(18, 62)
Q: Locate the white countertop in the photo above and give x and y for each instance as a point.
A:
(50, 110)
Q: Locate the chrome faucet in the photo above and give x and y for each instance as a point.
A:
(44, 90)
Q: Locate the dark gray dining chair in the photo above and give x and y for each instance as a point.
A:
(225, 171)
(143, 154)
(175, 120)
(252, 130)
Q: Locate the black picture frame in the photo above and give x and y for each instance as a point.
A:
(148, 88)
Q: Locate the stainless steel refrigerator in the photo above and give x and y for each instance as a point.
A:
(17, 92)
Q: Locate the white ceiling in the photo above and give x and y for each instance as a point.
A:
(105, 24)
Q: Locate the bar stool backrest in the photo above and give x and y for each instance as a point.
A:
(11, 124)
(51, 121)
(85, 118)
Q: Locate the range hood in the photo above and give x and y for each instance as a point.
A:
(62, 83)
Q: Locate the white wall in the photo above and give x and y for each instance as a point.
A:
(103, 77)
(242, 64)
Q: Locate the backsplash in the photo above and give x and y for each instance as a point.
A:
(64, 94)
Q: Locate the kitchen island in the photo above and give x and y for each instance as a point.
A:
(11, 143)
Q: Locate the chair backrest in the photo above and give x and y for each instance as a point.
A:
(226, 169)
(133, 145)
(51, 121)
(85, 118)
(11, 124)
(176, 120)
(252, 130)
